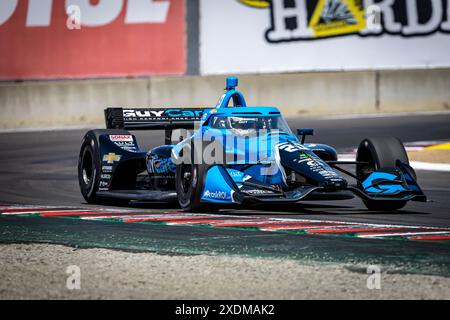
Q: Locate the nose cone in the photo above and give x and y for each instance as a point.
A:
(303, 161)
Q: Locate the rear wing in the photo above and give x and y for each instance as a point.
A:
(152, 119)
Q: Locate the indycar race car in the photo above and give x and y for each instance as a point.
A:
(237, 156)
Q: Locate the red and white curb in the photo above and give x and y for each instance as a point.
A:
(259, 223)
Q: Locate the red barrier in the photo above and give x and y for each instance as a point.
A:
(117, 38)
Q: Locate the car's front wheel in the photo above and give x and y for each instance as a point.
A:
(380, 153)
(189, 186)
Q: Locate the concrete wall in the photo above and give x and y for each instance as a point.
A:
(414, 90)
(61, 103)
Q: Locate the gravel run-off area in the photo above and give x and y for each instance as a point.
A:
(38, 271)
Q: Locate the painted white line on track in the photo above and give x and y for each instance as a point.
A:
(243, 220)
(346, 158)
(396, 234)
(40, 211)
(49, 210)
(268, 224)
(127, 215)
(443, 167)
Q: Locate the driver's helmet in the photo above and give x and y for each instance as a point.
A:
(243, 126)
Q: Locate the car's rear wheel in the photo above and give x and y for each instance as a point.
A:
(89, 168)
(381, 153)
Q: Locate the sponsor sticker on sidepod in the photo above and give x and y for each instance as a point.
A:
(218, 195)
(121, 138)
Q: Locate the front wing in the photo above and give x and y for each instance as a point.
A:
(224, 186)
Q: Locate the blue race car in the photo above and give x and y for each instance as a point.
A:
(237, 156)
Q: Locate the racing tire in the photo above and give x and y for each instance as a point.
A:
(89, 168)
(383, 152)
(189, 181)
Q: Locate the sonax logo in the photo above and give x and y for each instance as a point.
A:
(121, 138)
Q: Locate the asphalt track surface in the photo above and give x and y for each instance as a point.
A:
(39, 168)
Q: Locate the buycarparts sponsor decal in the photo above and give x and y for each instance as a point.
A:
(180, 114)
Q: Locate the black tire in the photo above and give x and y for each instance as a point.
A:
(383, 152)
(89, 167)
(189, 181)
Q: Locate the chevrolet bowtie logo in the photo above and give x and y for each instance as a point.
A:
(111, 158)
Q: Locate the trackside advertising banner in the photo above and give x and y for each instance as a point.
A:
(247, 36)
(52, 39)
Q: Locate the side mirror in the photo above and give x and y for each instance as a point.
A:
(303, 132)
